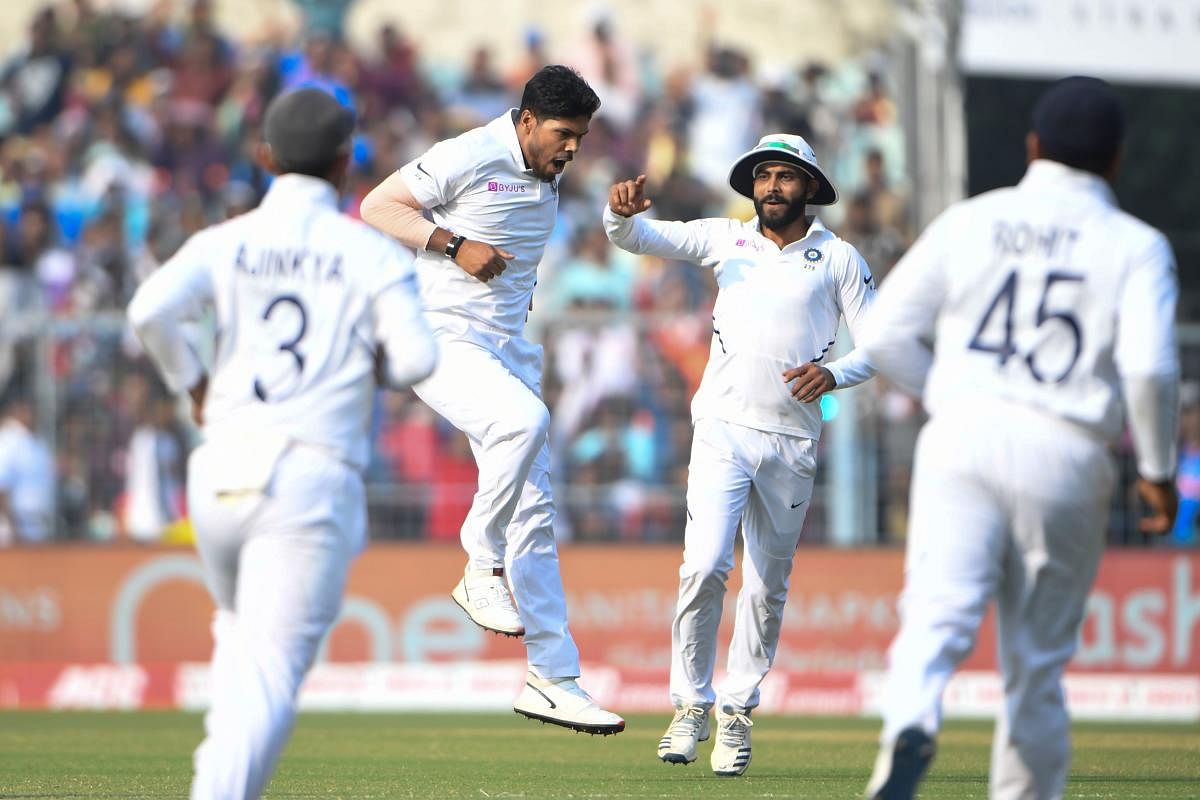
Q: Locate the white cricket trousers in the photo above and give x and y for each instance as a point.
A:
(276, 565)
(764, 481)
(1008, 504)
(488, 385)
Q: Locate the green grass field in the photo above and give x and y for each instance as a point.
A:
(147, 754)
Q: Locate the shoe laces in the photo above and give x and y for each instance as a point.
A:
(495, 589)
(688, 721)
(733, 729)
(570, 686)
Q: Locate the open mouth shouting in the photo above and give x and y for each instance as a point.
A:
(559, 164)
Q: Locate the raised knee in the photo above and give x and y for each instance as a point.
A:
(529, 423)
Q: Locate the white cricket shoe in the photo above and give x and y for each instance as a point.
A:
(731, 754)
(560, 701)
(484, 595)
(687, 729)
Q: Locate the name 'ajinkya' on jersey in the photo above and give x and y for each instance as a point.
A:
(302, 295)
(477, 185)
(776, 310)
(1044, 294)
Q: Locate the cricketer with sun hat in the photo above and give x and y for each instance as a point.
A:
(785, 283)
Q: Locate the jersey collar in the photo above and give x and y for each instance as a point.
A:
(1045, 173)
(816, 230)
(300, 190)
(504, 128)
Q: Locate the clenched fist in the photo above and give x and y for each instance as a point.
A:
(482, 261)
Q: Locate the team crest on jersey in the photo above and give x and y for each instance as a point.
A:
(812, 257)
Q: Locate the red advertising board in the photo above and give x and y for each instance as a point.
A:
(113, 607)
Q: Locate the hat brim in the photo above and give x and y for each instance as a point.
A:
(741, 176)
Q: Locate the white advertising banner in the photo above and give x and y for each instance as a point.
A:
(1126, 41)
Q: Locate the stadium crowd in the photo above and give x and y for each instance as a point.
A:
(122, 136)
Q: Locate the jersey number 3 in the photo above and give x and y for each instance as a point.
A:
(288, 345)
(1005, 301)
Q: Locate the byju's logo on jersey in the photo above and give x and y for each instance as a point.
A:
(812, 257)
(515, 188)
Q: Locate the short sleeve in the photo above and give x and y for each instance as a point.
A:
(442, 173)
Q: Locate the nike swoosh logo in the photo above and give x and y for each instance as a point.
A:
(866, 280)
(543, 694)
(797, 505)
(422, 169)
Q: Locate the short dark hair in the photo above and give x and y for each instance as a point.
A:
(307, 130)
(1080, 122)
(559, 92)
(15, 394)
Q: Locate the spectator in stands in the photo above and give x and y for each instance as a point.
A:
(891, 208)
(609, 66)
(594, 272)
(394, 79)
(325, 17)
(533, 59)
(592, 362)
(39, 77)
(483, 95)
(20, 311)
(781, 111)
(154, 470)
(880, 246)
(121, 134)
(726, 116)
(452, 486)
(26, 476)
(315, 66)
(811, 97)
(1188, 477)
(201, 77)
(201, 23)
(36, 250)
(875, 106)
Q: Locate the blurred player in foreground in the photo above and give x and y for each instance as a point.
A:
(785, 283)
(1047, 306)
(312, 309)
(493, 195)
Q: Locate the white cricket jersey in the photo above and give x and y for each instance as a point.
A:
(303, 297)
(477, 185)
(775, 310)
(1043, 294)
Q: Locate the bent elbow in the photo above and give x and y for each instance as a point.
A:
(418, 363)
(370, 207)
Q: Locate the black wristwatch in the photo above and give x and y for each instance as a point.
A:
(453, 245)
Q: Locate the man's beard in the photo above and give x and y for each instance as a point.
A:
(779, 219)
